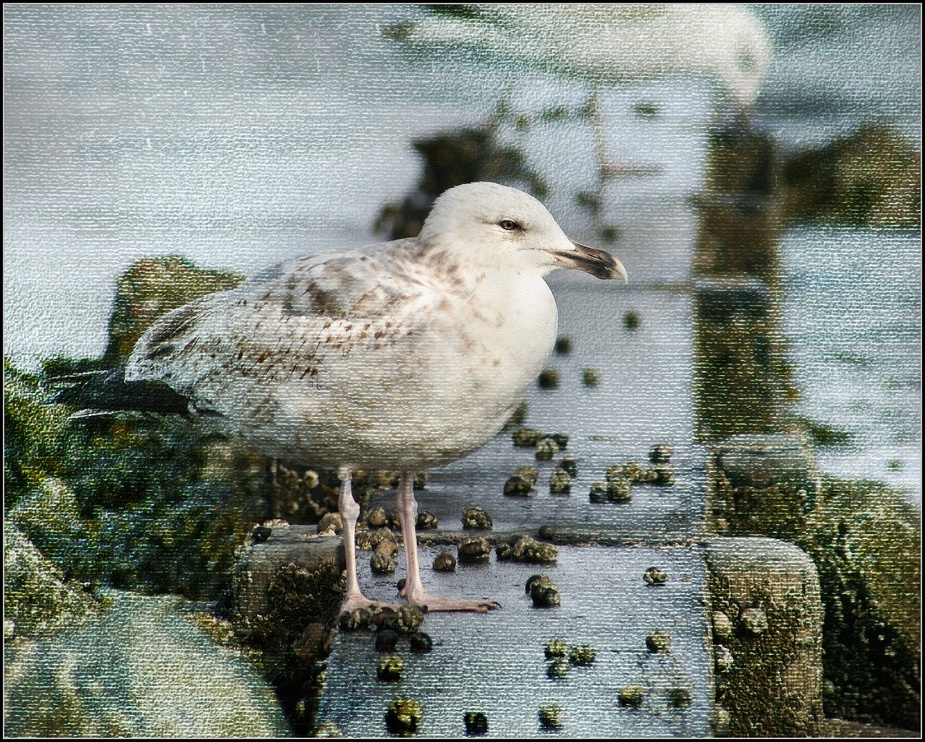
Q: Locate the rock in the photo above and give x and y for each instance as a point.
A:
(141, 669)
(149, 288)
(37, 598)
(762, 485)
(282, 584)
(869, 178)
(865, 540)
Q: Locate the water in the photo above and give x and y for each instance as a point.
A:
(853, 318)
(241, 135)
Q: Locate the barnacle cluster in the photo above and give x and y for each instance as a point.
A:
(475, 517)
(523, 548)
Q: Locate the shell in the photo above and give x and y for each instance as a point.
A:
(551, 716)
(556, 648)
(655, 576)
(404, 715)
(476, 723)
(619, 490)
(382, 564)
(444, 561)
(476, 518)
(390, 667)
(558, 668)
(526, 437)
(386, 640)
(560, 483)
(590, 378)
(569, 465)
(659, 642)
(753, 620)
(722, 625)
(660, 453)
(474, 550)
(420, 642)
(582, 654)
(546, 448)
(632, 695)
(548, 379)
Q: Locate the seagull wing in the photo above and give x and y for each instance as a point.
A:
(233, 351)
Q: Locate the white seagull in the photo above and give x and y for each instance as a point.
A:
(610, 42)
(404, 355)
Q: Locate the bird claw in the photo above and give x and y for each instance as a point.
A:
(361, 601)
(431, 603)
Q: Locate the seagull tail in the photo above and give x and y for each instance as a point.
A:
(106, 392)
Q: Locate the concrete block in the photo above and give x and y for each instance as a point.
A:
(766, 626)
(288, 553)
(761, 485)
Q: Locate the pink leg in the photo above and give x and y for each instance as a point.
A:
(349, 513)
(414, 591)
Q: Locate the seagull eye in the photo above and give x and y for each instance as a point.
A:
(508, 224)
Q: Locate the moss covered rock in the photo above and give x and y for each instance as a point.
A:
(870, 178)
(36, 597)
(866, 542)
(151, 287)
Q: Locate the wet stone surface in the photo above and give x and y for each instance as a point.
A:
(496, 663)
(605, 606)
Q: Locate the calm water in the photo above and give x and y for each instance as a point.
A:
(239, 135)
(853, 318)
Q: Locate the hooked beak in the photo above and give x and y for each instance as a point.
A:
(596, 262)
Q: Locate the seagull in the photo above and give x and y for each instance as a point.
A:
(404, 355)
(609, 42)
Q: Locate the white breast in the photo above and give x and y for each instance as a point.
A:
(430, 398)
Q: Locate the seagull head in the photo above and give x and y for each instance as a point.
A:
(502, 227)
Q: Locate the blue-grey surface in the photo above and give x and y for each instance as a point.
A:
(643, 398)
(853, 317)
(494, 663)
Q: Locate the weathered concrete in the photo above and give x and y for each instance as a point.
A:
(286, 547)
(287, 593)
(766, 623)
(739, 370)
(495, 663)
(761, 485)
